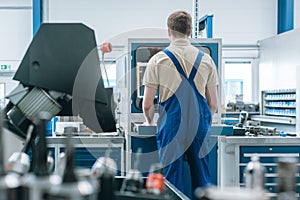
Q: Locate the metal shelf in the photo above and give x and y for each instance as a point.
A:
(283, 115)
(274, 119)
(283, 91)
(292, 99)
(280, 104)
(280, 107)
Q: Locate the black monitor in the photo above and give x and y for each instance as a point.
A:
(60, 73)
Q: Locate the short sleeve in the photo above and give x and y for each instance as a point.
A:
(151, 76)
(213, 79)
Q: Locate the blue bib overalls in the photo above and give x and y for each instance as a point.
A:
(184, 121)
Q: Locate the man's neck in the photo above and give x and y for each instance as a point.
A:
(172, 38)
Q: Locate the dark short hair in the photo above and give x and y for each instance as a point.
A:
(180, 22)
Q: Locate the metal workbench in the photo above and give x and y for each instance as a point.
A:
(89, 148)
(235, 152)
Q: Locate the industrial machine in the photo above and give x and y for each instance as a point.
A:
(60, 74)
(130, 74)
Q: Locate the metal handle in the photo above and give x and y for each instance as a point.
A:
(272, 154)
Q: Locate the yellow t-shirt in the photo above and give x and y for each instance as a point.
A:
(161, 72)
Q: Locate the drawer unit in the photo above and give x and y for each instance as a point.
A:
(269, 156)
(86, 157)
(235, 152)
(89, 149)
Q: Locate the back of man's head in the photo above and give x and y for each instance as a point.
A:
(180, 23)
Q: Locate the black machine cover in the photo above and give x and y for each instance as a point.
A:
(63, 57)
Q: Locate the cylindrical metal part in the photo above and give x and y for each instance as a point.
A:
(255, 174)
(286, 181)
(81, 190)
(19, 163)
(9, 187)
(34, 187)
(38, 100)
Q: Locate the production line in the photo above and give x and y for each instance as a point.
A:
(118, 150)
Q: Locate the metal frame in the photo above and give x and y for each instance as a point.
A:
(208, 20)
(88, 142)
(37, 15)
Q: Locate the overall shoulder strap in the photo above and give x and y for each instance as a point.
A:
(175, 61)
(196, 65)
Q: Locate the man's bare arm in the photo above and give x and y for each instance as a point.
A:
(212, 98)
(148, 105)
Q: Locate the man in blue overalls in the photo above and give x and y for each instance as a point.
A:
(187, 81)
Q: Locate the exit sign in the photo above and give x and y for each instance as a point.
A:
(5, 67)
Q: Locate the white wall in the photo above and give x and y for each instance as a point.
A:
(114, 17)
(296, 14)
(236, 22)
(241, 22)
(279, 60)
(15, 28)
(15, 34)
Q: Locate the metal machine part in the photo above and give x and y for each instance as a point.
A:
(243, 117)
(287, 169)
(9, 183)
(38, 100)
(34, 184)
(229, 193)
(254, 131)
(255, 174)
(22, 114)
(9, 187)
(133, 181)
(19, 163)
(104, 165)
(105, 170)
(71, 187)
(240, 106)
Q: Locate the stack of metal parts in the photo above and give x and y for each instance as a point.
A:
(34, 180)
(104, 170)
(286, 181)
(71, 186)
(255, 131)
(135, 187)
(35, 183)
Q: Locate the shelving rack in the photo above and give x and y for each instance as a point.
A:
(281, 103)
